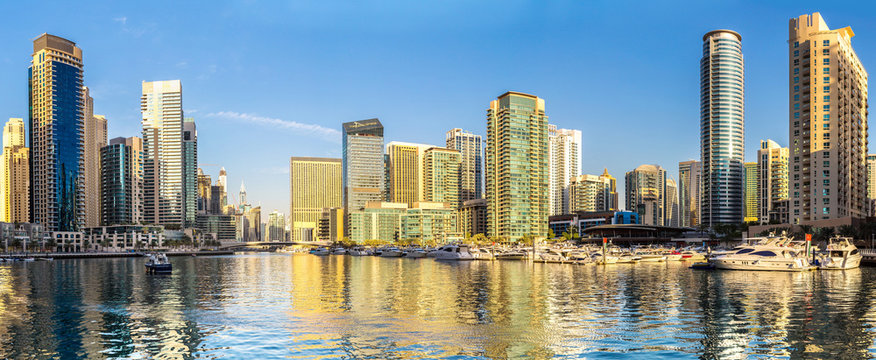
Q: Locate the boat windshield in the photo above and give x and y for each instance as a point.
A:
(763, 253)
(744, 251)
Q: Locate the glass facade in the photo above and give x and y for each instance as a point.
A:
(722, 124)
(362, 164)
(56, 123)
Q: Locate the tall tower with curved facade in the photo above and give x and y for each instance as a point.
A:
(722, 127)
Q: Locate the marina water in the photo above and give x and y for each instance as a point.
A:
(282, 305)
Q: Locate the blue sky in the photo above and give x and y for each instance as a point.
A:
(268, 80)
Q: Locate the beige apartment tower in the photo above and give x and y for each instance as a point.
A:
(441, 176)
(517, 167)
(162, 113)
(14, 174)
(405, 170)
(827, 102)
(95, 140)
(772, 170)
(315, 184)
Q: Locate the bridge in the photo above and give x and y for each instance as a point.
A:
(228, 245)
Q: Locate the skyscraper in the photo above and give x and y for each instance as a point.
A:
(772, 170)
(405, 169)
(592, 193)
(164, 195)
(14, 174)
(564, 160)
(750, 192)
(517, 167)
(671, 203)
(57, 134)
(871, 176)
(441, 176)
(276, 226)
(689, 193)
(827, 126)
(470, 148)
(223, 182)
(315, 184)
(190, 171)
(646, 194)
(722, 125)
(362, 165)
(95, 140)
(122, 182)
(204, 192)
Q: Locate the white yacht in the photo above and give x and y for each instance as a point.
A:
(391, 252)
(481, 254)
(452, 252)
(416, 253)
(774, 253)
(339, 251)
(840, 253)
(321, 251)
(360, 251)
(550, 256)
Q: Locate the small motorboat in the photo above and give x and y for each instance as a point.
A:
(391, 252)
(158, 264)
(339, 251)
(511, 255)
(45, 259)
(481, 254)
(415, 253)
(840, 253)
(452, 252)
(702, 266)
(359, 251)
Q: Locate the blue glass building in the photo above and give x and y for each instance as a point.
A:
(57, 134)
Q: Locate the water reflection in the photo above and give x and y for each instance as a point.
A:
(304, 306)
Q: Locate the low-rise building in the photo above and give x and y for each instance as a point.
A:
(219, 227)
(428, 223)
(377, 221)
(124, 237)
(585, 219)
(23, 236)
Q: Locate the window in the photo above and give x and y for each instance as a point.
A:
(796, 44)
(796, 79)
(826, 154)
(825, 51)
(796, 88)
(796, 52)
(826, 61)
(826, 145)
(827, 98)
(826, 126)
(825, 192)
(796, 123)
(796, 71)
(826, 182)
(826, 42)
(825, 201)
(796, 62)
(825, 211)
(797, 106)
(763, 253)
(826, 107)
(826, 70)
(826, 89)
(826, 79)
(796, 97)
(796, 115)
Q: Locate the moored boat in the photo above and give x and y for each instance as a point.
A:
(391, 252)
(774, 253)
(415, 253)
(158, 264)
(321, 251)
(840, 253)
(511, 255)
(452, 252)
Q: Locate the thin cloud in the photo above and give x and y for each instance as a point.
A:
(323, 132)
(123, 20)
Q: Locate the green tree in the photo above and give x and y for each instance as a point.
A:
(551, 234)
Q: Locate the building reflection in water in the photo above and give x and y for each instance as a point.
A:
(336, 306)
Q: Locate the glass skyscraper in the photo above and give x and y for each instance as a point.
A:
(362, 165)
(56, 121)
(722, 127)
(517, 167)
(190, 171)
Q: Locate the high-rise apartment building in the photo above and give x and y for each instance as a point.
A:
(750, 192)
(646, 192)
(277, 226)
(95, 140)
(122, 182)
(689, 193)
(772, 171)
(871, 176)
(722, 127)
(14, 174)
(223, 182)
(827, 126)
(471, 175)
(564, 160)
(363, 166)
(441, 176)
(405, 170)
(204, 193)
(57, 134)
(671, 203)
(517, 189)
(592, 193)
(161, 107)
(315, 184)
(190, 171)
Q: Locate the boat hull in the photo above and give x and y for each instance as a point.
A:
(761, 265)
(837, 263)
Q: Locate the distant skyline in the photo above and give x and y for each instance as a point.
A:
(265, 81)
